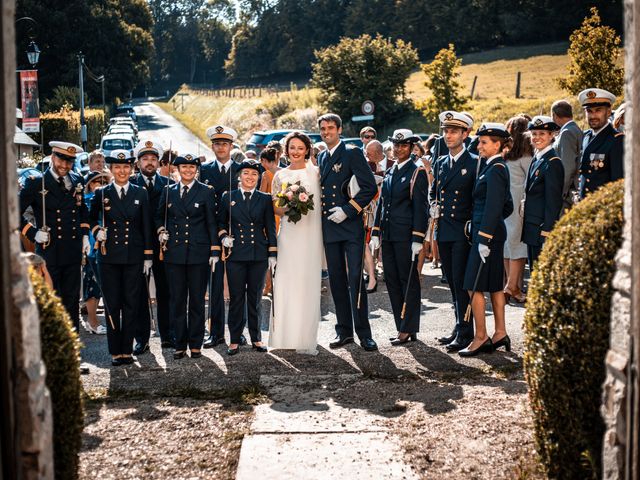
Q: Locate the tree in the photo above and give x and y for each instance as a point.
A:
(594, 53)
(442, 80)
(364, 68)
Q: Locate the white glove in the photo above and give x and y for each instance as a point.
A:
(212, 262)
(484, 252)
(86, 246)
(374, 243)
(146, 266)
(163, 236)
(272, 264)
(227, 241)
(434, 210)
(337, 215)
(416, 248)
(101, 235)
(42, 236)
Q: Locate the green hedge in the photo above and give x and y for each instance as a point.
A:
(567, 334)
(61, 356)
(65, 126)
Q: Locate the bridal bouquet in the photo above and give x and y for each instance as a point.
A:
(296, 199)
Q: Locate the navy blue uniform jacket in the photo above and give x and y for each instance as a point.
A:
(335, 173)
(253, 229)
(452, 190)
(129, 224)
(602, 159)
(191, 223)
(403, 210)
(211, 175)
(543, 198)
(66, 216)
(492, 203)
(154, 200)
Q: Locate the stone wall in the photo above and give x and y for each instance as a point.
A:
(615, 388)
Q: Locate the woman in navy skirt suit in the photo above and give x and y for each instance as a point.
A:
(485, 268)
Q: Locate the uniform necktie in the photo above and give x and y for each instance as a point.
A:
(224, 170)
(536, 164)
(185, 189)
(63, 186)
(149, 184)
(247, 197)
(122, 193)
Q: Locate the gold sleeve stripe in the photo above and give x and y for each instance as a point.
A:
(375, 228)
(419, 234)
(159, 229)
(215, 248)
(26, 228)
(486, 235)
(273, 249)
(93, 230)
(222, 232)
(355, 205)
(544, 234)
(148, 252)
(84, 225)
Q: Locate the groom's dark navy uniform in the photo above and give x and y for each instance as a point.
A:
(344, 241)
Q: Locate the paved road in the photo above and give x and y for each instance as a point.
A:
(156, 123)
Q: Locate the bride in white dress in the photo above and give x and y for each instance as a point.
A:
(296, 285)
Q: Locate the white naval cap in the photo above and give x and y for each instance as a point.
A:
(147, 145)
(543, 122)
(220, 132)
(596, 97)
(403, 135)
(120, 156)
(65, 150)
(493, 130)
(450, 118)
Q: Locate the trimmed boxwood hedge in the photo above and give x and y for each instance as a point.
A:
(61, 356)
(567, 333)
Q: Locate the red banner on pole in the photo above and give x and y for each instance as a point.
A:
(30, 103)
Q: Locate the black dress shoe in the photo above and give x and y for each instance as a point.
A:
(167, 344)
(368, 344)
(408, 337)
(243, 340)
(261, 348)
(116, 362)
(486, 347)
(179, 355)
(233, 351)
(503, 342)
(126, 360)
(341, 342)
(195, 354)
(213, 341)
(458, 344)
(140, 349)
(447, 340)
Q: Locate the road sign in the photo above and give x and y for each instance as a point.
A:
(368, 107)
(362, 118)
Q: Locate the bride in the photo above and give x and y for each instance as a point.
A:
(296, 284)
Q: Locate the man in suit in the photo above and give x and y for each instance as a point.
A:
(343, 231)
(121, 222)
(222, 175)
(401, 225)
(148, 153)
(252, 243)
(567, 145)
(191, 251)
(451, 200)
(602, 146)
(61, 230)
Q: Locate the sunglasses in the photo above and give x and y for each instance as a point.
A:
(369, 137)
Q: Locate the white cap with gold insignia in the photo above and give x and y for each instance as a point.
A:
(148, 145)
(543, 122)
(455, 119)
(65, 150)
(493, 130)
(403, 135)
(220, 132)
(596, 97)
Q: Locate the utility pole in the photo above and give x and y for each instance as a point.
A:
(83, 126)
(104, 107)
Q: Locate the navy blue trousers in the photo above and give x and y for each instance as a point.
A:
(454, 256)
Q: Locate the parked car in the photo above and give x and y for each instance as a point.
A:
(128, 110)
(117, 141)
(260, 139)
(353, 141)
(124, 121)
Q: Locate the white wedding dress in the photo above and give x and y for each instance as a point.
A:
(296, 286)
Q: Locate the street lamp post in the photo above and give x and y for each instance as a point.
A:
(33, 54)
(83, 126)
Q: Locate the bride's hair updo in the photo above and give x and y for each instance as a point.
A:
(300, 136)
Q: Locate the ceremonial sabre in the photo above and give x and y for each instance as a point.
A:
(163, 244)
(228, 251)
(467, 314)
(104, 298)
(153, 320)
(273, 296)
(367, 212)
(406, 292)
(44, 227)
(103, 244)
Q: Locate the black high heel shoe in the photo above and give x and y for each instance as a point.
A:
(486, 347)
(411, 337)
(503, 342)
(374, 289)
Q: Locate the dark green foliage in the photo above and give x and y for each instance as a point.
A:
(65, 125)
(64, 98)
(365, 68)
(61, 357)
(598, 69)
(567, 333)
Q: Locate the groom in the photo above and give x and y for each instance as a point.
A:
(343, 231)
